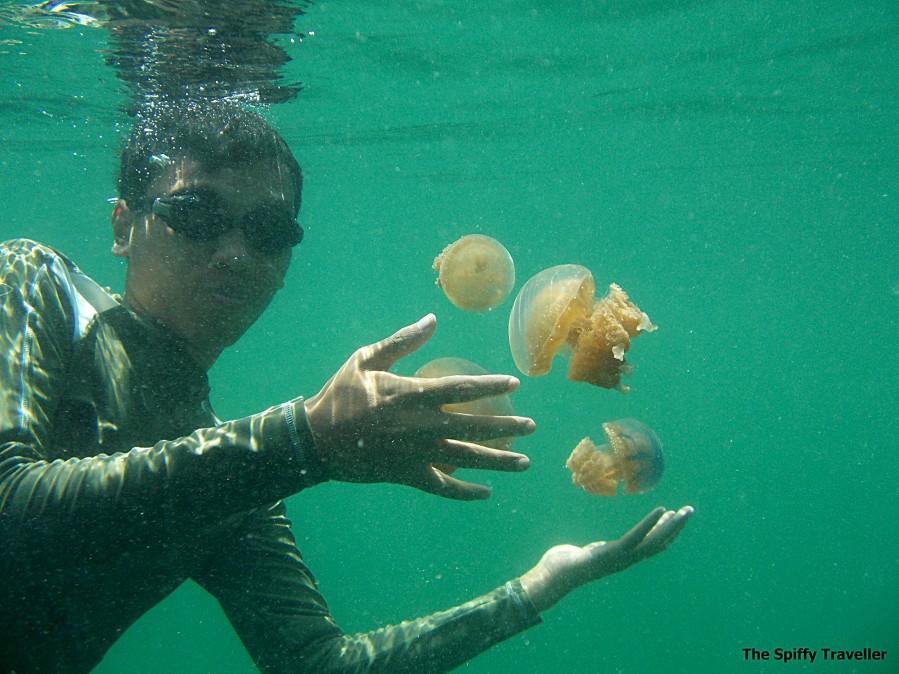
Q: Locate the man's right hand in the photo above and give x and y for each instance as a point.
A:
(373, 426)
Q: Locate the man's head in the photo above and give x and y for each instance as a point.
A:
(214, 135)
(208, 197)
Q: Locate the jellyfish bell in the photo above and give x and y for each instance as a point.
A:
(631, 458)
(546, 310)
(639, 453)
(476, 273)
(495, 406)
(556, 313)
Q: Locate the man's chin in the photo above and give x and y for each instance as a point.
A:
(222, 331)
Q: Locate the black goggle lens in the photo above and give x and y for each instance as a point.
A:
(201, 217)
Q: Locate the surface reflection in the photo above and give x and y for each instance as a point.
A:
(196, 49)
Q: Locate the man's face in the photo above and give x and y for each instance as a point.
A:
(207, 292)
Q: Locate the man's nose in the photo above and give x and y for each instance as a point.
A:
(232, 246)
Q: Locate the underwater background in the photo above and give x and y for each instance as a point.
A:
(732, 165)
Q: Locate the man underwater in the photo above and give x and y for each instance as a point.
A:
(118, 482)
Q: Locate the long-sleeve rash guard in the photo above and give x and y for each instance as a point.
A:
(118, 483)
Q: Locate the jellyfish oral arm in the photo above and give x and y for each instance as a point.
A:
(594, 469)
(564, 568)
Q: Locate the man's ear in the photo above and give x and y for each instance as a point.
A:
(122, 221)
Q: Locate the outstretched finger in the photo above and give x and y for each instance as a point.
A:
(471, 455)
(382, 355)
(463, 388)
(437, 482)
(480, 427)
(635, 536)
(665, 531)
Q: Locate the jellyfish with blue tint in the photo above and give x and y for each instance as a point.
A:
(632, 457)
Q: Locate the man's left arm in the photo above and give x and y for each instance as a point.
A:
(273, 602)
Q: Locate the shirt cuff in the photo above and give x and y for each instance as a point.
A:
(310, 467)
(522, 601)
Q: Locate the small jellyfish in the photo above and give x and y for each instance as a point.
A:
(556, 312)
(476, 273)
(632, 457)
(496, 406)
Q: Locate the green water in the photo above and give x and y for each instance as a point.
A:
(733, 165)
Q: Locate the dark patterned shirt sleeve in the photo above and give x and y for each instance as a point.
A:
(101, 537)
(203, 475)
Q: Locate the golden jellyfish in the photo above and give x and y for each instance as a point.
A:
(556, 312)
(476, 273)
(497, 406)
(632, 456)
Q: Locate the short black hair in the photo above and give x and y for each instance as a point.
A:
(215, 134)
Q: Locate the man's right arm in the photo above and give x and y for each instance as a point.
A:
(366, 425)
(202, 476)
